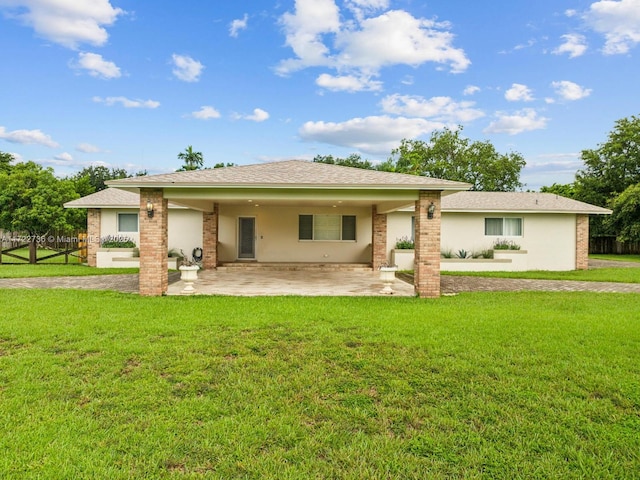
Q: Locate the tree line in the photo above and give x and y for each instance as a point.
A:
(32, 197)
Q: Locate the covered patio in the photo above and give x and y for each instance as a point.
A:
(269, 282)
(290, 211)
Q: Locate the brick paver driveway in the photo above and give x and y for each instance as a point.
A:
(449, 284)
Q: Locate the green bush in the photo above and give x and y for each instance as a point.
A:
(502, 244)
(404, 243)
(112, 241)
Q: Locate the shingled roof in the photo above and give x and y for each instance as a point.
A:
(517, 202)
(290, 174)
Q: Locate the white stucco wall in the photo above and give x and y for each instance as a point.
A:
(549, 239)
(277, 235)
(185, 227)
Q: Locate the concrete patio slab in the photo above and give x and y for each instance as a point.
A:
(304, 283)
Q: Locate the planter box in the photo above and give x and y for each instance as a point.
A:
(403, 258)
(123, 258)
(502, 261)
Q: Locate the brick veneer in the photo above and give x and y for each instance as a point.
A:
(378, 239)
(210, 238)
(427, 246)
(154, 278)
(93, 235)
(582, 242)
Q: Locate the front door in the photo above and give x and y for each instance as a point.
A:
(247, 237)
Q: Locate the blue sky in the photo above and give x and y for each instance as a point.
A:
(131, 84)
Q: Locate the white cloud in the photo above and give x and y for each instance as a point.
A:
(186, 68)
(237, 25)
(518, 93)
(443, 109)
(396, 37)
(87, 148)
(522, 121)
(126, 102)
(471, 90)
(97, 66)
(258, 115)
(618, 21)
(574, 44)
(570, 91)
(65, 157)
(28, 137)
(206, 113)
(348, 83)
(66, 22)
(364, 45)
(376, 135)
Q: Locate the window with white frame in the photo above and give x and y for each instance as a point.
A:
(127, 222)
(327, 227)
(507, 227)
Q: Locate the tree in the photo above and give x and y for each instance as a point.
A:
(564, 190)
(450, 156)
(613, 166)
(5, 162)
(353, 160)
(191, 160)
(97, 175)
(625, 219)
(31, 202)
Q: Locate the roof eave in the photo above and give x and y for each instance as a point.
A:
(524, 211)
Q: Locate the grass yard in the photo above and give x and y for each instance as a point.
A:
(620, 275)
(58, 270)
(500, 385)
(617, 258)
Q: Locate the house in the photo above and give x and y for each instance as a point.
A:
(550, 231)
(305, 212)
(290, 211)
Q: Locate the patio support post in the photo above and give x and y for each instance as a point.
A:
(427, 245)
(378, 239)
(210, 238)
(154, 279)
(93, 236)
(582, 242)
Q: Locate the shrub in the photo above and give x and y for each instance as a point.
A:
(462, 253)
(404, 243)
(485, 253)
(446, 253)
(119, 241)
(502, 244)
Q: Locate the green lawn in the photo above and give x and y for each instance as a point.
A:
(500, 385)
(624, 275)
(617, 258)
(58, 270)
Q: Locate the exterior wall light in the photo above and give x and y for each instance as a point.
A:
(149, 209)
(431, 209)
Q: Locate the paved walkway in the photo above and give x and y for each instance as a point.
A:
(252, 283)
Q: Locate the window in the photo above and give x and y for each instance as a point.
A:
(508, 227)
(127, 222)
(327, 227)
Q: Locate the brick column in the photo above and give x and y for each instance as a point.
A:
(427, 246)
(210, 238)
(582, 242)
(93, 235)
(378, 238)
(154, 266)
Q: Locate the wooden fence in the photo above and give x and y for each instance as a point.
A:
(20, 249)
(609, 245)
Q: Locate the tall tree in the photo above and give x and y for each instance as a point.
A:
(31, 202)
(613, 166)
(625, 219)
(353, 160)
(5, 162)
(190, 160)
(97, 175)
(450, 156)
